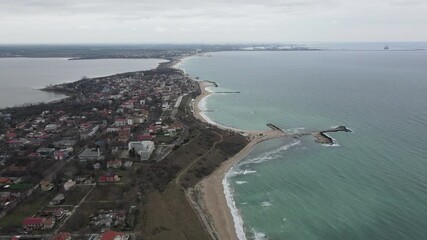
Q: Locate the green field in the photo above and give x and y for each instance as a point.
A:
(27, 208)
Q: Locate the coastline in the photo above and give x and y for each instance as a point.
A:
(214, 202)
(198, 111)
(208, 196)
(211, 196)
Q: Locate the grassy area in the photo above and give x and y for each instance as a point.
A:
(112, 192)
(125, 175)
(168, 215)
(20, 186)
(76, 194)
(79, 221)
(28, 208)
(164, 139)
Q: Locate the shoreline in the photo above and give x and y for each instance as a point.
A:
(213, 199)
(209, 197)
(198, 112)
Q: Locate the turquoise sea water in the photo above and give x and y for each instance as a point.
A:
(21, 77)
(372, 186)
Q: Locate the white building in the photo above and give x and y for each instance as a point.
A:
(69, 184)
(143, 148)
(130, 121)
(51, 127)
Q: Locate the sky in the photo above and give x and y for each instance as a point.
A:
(211, 21)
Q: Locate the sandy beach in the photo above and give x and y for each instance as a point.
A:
(208, 197)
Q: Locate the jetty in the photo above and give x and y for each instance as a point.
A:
(277, 132)
(274, 127)
(322, 138)
(228, 92)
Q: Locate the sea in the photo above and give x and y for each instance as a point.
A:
(20, 78)
(371, 184)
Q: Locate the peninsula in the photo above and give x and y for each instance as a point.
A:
(133, 146)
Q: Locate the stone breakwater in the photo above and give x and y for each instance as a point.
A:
(322, 138)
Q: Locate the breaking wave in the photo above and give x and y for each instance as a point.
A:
(229, 193)
(240, 182)
(274, 154)
(237, 218)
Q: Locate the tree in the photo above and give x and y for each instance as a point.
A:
(132, 153)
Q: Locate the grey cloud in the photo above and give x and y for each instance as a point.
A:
(219, 20)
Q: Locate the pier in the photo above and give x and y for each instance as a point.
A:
(228, 92)
(274, 127)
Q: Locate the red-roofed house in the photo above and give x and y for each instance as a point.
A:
(5, 180)
(109, 178)
(114, 164)
(58, 213)
(111, 235)
(62, 236)
(124, 134)
(128, 104)
(59, 155)
(120, 122)
(33, 223)
(10, 135)
(48, 223)
(145, 137)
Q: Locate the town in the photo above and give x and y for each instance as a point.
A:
(85, 166)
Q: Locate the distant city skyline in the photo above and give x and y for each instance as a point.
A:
(215, 21)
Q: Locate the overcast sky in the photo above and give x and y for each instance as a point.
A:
(211, 21)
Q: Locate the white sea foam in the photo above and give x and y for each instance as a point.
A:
(295, 130)
(334, 142)
(202, 105)
(241, 172)
(210, 89)
(258, 235)
(274, 154)
(237, 218)
(331, 145)
(240, 182)
(266, 204)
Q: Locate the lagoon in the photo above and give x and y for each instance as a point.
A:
(21, 77)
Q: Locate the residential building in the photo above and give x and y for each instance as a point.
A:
(114, 164)
(33, 223)
(91, 154)
(109, 177)
(58, 199)
(69, 184)
(112, 235)
(142, 148)
(46, 185)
